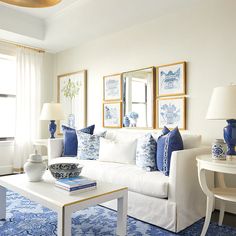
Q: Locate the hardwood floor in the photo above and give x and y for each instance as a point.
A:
(229, 218)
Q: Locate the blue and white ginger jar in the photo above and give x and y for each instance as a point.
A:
(219, 149)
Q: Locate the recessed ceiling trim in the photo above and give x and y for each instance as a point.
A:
(32, 3)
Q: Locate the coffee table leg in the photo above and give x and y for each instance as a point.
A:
(122, 215)
(64, 222)
(2, 203)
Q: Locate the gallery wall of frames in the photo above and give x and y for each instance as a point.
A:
(151, 98)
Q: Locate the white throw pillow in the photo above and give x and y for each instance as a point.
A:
(121, 152)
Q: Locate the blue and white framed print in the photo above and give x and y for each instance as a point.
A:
(112, 114)
(171, 113)
(171, 79)
(112, 87)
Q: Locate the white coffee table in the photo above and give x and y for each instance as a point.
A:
(48, 195)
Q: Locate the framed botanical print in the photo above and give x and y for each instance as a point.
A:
(72, 94)
(112, 87)
(112, 114)
(171, 112)
(171, 79)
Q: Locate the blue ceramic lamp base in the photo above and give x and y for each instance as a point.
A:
(52, 128)
(230, 136)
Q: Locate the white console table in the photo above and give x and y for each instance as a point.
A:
(221, 167)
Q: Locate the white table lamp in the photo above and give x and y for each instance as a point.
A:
(223, 107)
(52, 112)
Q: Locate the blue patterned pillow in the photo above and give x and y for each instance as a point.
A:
(166, 144)
(146, 153)
(70, 139)
(88, 145)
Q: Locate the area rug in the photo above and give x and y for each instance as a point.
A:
(28, 218)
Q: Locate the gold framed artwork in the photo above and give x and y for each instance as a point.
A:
(171, 79)
(112, 87)
(72, 94)
(171, 112)
(112, 114)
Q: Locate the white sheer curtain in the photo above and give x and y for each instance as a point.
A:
(29, 67)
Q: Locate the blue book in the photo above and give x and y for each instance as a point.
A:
(75, 182)
(72, 189)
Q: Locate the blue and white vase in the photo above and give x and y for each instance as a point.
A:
(219, 149)
(126, 121)
(71, 120)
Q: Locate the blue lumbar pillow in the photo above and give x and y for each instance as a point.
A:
(70, 139)
(167, 143)
(146, 153)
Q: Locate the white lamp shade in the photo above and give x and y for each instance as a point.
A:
(52, 111)
(222, 104)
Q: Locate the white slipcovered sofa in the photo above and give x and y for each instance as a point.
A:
(172, 202)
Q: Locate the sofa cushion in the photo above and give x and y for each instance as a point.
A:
(120, 152)
(146, 153)
(166, 144)
(70, 142)
(153, 184)
(88, 145)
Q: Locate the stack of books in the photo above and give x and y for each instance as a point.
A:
(76, 184)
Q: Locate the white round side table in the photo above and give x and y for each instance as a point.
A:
(221, 167)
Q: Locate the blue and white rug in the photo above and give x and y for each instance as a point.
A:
(28, 218)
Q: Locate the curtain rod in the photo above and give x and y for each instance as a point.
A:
(24, 46)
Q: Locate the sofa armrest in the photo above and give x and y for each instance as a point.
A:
(184, 187)
(55, 148)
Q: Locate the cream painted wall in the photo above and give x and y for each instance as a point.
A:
(204, 36)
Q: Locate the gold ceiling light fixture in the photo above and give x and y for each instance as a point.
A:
(32, 3)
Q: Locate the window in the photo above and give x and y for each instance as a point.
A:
(7, 96)
(139, 100)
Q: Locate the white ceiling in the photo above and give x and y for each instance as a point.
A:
(73, 22)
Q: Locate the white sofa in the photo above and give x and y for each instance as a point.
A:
(172, 202)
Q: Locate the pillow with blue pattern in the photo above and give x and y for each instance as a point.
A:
(146, 153)
(88, 145)
(168, 142)
(70, 139)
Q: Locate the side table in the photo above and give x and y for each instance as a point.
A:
(221, 167)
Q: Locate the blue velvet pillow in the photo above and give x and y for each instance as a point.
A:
(166, 144)
(70, 139)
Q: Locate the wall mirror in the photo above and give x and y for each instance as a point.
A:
(138, 98)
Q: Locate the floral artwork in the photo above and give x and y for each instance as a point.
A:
(112, 87)
(71, 88)
(112, 114)
(171, 113)
(171, 79)
(72, 96)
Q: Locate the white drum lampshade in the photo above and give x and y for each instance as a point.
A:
(52, 112)
(222, 104)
